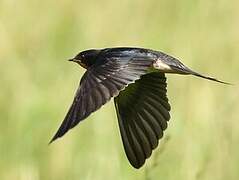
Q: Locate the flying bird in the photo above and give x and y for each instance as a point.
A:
(135, 78)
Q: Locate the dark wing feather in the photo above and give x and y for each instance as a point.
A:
(143, 112)
(99, 84)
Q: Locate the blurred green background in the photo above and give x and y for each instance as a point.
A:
(38, 85)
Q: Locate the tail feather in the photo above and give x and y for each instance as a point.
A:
(185, 70)
(169, 64)
(210, 78)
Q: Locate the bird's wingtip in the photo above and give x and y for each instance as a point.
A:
(53, 139)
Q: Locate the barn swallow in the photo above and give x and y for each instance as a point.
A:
(135, 78)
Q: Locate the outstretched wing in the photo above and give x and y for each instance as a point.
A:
(143, 111)
(99, 84)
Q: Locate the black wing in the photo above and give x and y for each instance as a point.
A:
(143, 112)
(100, 83)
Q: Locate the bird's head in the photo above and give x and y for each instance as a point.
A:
(86, 58)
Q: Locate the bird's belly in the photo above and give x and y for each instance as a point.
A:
(162, 67)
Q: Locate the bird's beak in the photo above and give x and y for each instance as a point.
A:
(71, 59)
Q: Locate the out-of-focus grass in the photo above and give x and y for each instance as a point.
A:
(38, 84)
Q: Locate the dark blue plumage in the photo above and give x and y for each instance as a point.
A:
(135, 78)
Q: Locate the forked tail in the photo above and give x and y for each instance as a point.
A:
(169, 64)
(209, 78)
(185, 70)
